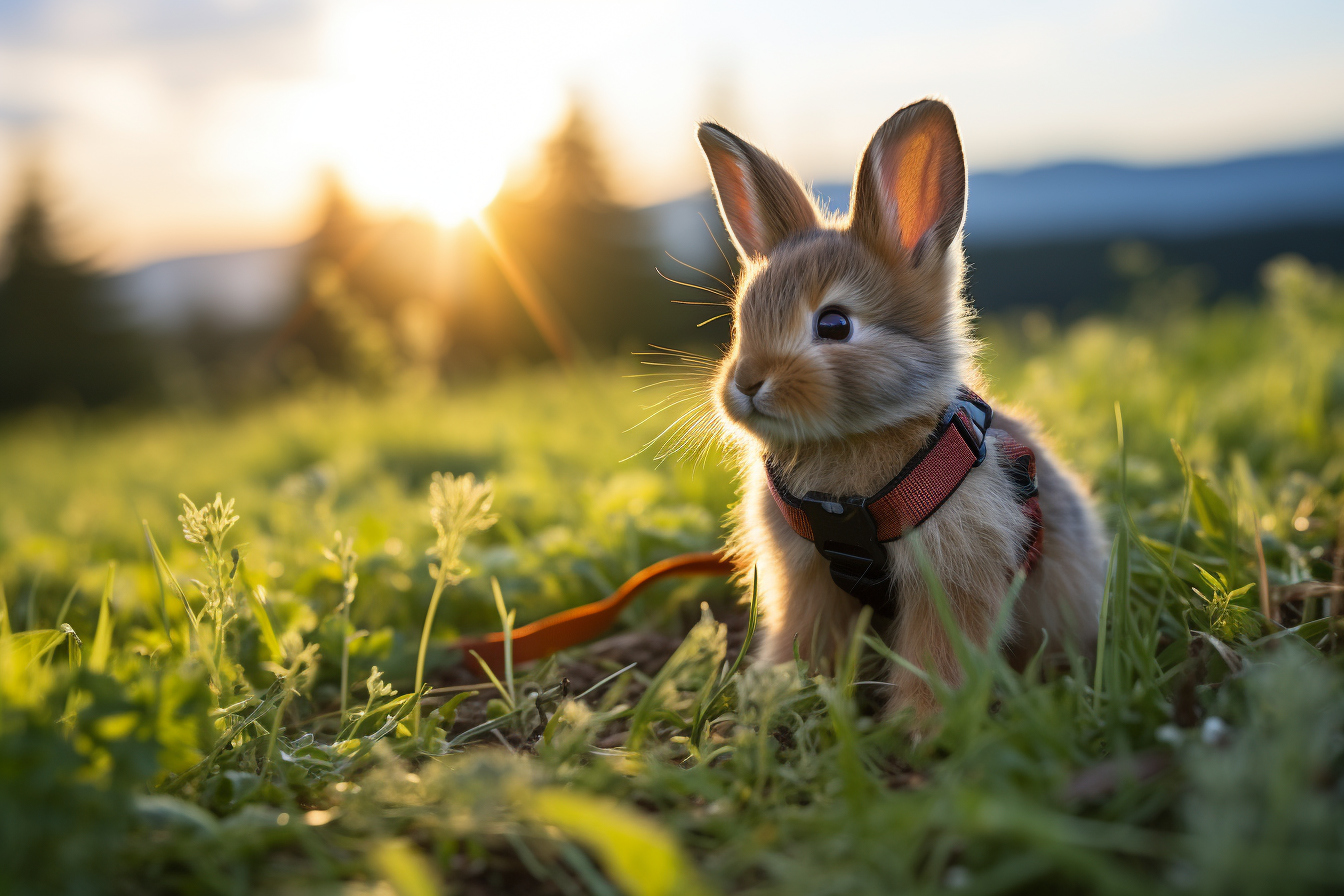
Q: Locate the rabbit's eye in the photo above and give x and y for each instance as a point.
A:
(833, 324)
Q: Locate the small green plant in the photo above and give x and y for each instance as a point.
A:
(458, 507)
(206, 527)
(1224, 617)
(342, 552)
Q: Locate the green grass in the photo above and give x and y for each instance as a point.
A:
(234, 736)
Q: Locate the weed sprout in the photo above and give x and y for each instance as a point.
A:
(206, 526)
(342, 552)
(458, 506)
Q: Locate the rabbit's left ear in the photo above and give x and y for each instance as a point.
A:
(761, 202)
(910, 191)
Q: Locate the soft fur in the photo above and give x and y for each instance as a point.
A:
(844, 417)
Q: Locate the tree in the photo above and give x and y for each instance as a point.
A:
(363, 281)
(589, 255)
(61, 337)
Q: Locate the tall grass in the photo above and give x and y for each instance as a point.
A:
(271, 724)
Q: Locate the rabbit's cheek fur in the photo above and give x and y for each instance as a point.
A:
(794, 397)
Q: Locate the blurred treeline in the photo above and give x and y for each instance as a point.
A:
(60, 336)
(554, 268)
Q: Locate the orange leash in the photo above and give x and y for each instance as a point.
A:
(574, 626)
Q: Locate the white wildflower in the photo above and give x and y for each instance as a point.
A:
(207, 525)
(458, 506)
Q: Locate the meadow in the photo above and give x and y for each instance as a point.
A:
(191, 703)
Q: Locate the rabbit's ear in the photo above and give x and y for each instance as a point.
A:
(761, 202)
(910, 191)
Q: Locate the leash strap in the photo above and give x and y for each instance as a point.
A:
(578, 624)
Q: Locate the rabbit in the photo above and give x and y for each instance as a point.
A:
(841, 416)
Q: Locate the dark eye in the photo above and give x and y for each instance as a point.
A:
(833, 324)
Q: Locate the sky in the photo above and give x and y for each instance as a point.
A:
(171, 127)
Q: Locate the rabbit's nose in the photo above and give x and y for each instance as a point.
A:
(746, 386)
(749, 375)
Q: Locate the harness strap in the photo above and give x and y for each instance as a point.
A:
(850, 531)
(1021, 464)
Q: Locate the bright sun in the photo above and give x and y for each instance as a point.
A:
(427, 110)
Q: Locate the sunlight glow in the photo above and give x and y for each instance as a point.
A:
(425, 111)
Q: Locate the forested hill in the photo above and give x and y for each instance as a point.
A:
(1041, 237)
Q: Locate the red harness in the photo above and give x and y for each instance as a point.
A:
(850, 531)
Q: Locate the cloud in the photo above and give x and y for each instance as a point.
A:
(187, 125)
(98, 24)
(22, 117)
(187, 45)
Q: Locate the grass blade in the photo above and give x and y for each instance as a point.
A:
(164, 573)
(102, 635)
(506, 618)
(612, 677)
(1098, 679)
(439, 583)
(403, 867)
(255, 599)
(706, 710)
(5, 630)
(158, 574)
(489, 673)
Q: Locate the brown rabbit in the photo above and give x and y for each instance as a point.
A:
(849, 360)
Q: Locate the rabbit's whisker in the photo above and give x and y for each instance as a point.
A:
(716, 244)
(708, 289)
(666, 364)
(682, 352)
(680, 379)
(698, 270)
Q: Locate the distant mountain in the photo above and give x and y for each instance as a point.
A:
(1090, 200)
(1083, 200)
(239, 290)
(1034, 236)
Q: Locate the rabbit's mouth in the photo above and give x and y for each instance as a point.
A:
(751, 412)
(761, 416)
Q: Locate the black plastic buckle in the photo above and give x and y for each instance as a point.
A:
(1019, 473)
(981, 414)
(845, 533)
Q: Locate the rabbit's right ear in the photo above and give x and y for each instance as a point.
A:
(910, 190)
(761, 202)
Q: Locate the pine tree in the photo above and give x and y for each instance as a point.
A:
(590, 253)
(360, 277)
(61, 339)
